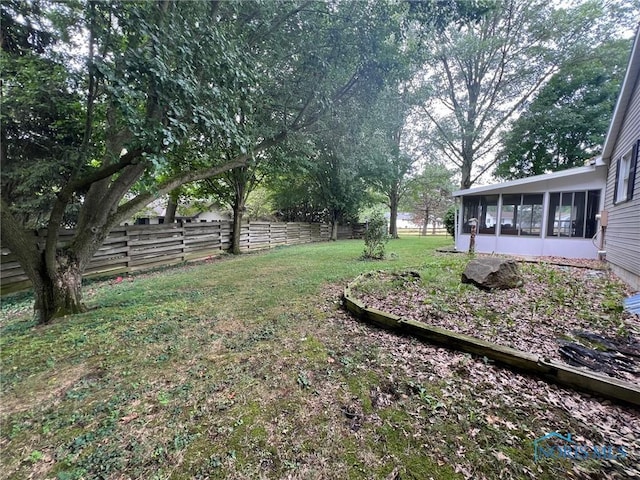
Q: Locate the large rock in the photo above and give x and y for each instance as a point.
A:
(492, 272)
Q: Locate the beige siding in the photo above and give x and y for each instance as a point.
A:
(623, 231)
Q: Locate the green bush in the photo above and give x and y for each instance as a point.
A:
(376, 237)
(450, 221)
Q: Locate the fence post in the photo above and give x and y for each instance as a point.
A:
(128, 250)
(183, 239)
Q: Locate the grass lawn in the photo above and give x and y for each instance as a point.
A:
(246, 367)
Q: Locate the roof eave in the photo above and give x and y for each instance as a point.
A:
(624, 99)
(529, 180)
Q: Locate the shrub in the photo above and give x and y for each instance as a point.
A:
(450, 221)
(376, 237)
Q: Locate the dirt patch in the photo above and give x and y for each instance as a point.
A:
(45, 388)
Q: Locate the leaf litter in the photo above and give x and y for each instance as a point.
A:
(557, 302)
(560, 310)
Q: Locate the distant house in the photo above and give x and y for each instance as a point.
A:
(211, 215)
(546, 215)
(407, 220)
(154, 214)
(403, 220)
(621, 221)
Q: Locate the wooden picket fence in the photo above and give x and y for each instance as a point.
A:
(133, 248)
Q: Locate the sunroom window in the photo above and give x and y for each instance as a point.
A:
(484, 208)
(573, 214)
(521, 214)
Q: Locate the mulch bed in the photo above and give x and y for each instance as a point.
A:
(565, 313)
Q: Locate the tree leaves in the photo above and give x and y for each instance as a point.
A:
(482, 73)
(567, 121)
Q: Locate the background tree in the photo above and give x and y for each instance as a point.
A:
(157, 76)
(233, 188)
(259, 206)
(484, 70)
(391, 165)
(429, 195)
(566, 123)
(329, 182)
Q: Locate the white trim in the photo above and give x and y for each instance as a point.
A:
(624, 100)
(530, 246)
(622, 187)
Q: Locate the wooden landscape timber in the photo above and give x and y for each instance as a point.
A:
(550, 370)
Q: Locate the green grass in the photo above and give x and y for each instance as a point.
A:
(238, 368)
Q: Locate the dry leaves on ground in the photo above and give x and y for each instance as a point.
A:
(557, 304)
(491, 406)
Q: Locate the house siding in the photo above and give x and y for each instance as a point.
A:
(622, 240)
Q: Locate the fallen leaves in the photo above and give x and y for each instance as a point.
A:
(501, 457)
(556, 304)
(495, 406)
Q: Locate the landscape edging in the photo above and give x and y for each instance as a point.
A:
(549, 370)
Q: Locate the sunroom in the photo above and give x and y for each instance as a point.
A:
(556, 214)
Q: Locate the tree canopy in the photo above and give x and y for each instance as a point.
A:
(146, 81)
(484, 70)
(142, 97)
(566, 123)
(429, 195)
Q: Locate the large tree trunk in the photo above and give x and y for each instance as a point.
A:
(334, 230)
(334, 226)
(467, 163)
(56, 273)
(425, 221)
(58, 292)
(238, 212)
(172, 207)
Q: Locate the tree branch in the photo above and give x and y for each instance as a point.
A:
(15, 237)
(134, 205)
(444, 135)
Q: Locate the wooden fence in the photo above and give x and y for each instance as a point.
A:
(133, 248)
(403, 232)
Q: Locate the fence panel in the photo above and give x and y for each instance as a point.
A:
(10, 270)
(351, 231)
(278, 234)
(202, 240)
(133, 248)
(259, 235)
(155, 245)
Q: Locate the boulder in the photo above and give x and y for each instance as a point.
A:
(489, 273)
